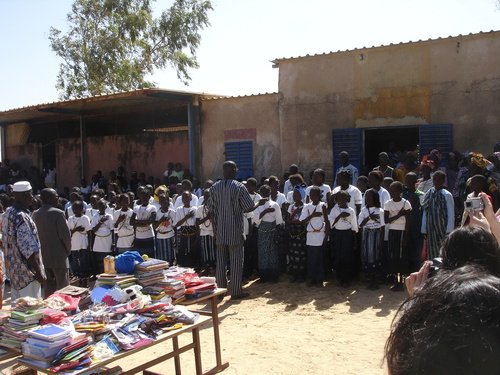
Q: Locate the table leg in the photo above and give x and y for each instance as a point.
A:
(215, 322)
(197, 351)
(177, 360)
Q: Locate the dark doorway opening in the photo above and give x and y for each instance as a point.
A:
(394, 141)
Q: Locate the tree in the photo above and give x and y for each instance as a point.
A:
(112, 45)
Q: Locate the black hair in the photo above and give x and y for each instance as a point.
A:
(377, 174)
(451, 326)
(439, 174)
(77, 204)
(471, 244)
(266, 188)
(321, 172)
(397, 184)
(376, 199)
(480, 178)
(345, 173)
(252, 181)
(273, 179)
(316, 189)
(343, 192)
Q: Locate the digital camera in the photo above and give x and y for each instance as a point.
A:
(474, 204)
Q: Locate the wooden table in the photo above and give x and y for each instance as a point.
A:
(204, 318)
(213, 299)
(174, 353)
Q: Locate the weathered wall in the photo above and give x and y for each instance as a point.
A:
(453, 80)
(239, 119)
(148, 153)
(25, 156)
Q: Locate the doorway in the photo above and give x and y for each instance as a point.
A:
(394, 140)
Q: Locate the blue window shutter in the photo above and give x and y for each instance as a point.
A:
(350, 140)
(435, 136)
(242, 154)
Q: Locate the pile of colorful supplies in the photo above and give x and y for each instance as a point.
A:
(25, 316)
(89, 336)
(123, 280)
(150, 271)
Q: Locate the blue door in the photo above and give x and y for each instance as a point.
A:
(350, 140)
(242, 154)
(435, 136)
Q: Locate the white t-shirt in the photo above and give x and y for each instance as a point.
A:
(206, 228)
(144, 213)
(90, 212)
(344, 223)
(181, 212)
(270, 216)
(124, 230)
(315, 226)
(383, 195)
(79, 240)
(394, 208)
(355, 194)
(325, 189)
(165, 229)
(178, 201)
(372, 224)
(103, 239)
(280, 199)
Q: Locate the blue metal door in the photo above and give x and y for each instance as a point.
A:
(242, 154)
(435, 136)
(350, 140)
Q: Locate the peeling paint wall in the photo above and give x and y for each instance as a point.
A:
(25, 156)
(252, 118)
(453, 80)
(148, 153)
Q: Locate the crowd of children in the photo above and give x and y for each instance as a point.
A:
(384, 223)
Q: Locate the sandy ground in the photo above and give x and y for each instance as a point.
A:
(287, 328)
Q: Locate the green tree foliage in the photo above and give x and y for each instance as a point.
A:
(112, 45)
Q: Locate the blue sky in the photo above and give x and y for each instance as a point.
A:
(244, 36)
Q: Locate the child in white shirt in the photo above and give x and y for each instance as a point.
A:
(204, 221)
(165, 231)
(102, 226)
(371, 220)
(396, 215)
(315, 216)
(344, 226)
(268, 217)
(79, 226)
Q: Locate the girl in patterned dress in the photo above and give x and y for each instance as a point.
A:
(165, 233)
(185, 217)
(297, 249)
(204, 220)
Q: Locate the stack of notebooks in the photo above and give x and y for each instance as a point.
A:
(150, 272)
(15, 330)
(123, 280)
(44, 343)
(172, 287)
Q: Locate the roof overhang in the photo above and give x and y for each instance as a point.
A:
(102, 105)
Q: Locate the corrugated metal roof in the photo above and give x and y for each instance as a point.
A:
(238, 96)
(99, 105)
(277, 60)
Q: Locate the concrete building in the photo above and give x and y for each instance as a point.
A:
(438, 93)
(442, 93)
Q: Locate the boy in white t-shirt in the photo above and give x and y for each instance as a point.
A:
(315, 216)
(142, 220)
(102, 226)
(344, 226)
(396, 216)
(124, 230)
(318, 179)
(204, 221)
(79, 226)
(185, 221)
